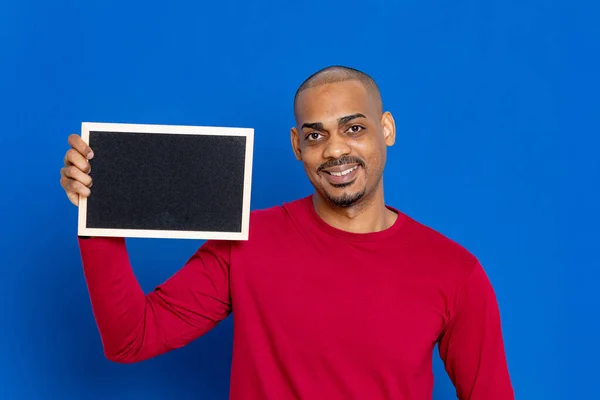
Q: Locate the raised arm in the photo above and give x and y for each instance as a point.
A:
(472, 346)
(135, 326)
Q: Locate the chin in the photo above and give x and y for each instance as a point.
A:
(346, 199)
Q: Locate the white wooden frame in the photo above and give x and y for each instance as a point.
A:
(248, 133)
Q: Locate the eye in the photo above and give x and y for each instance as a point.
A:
(355, 129)
(313, 136)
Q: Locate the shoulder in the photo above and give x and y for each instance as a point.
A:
(439, 253)
(276, 218)
(268, 228)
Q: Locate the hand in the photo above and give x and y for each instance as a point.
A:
(74, 176)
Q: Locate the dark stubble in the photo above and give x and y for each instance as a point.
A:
(345, 200)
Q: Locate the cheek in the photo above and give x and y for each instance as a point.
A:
(374, 158)
(311, 159)
(310, 167)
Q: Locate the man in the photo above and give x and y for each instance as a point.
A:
(335, 296)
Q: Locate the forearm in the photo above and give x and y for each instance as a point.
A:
(134, 326)
(118, 302)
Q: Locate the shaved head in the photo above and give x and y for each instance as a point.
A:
(341, 136)
(338, 73)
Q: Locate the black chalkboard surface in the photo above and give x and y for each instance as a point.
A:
(167, 181)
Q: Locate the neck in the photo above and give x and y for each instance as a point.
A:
(369, 215)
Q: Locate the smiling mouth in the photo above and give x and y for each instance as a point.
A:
(344, 172)
(341, 176)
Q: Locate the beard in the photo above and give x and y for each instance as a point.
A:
(353, 198)
(347, 199)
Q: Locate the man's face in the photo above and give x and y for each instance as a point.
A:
(341, 137)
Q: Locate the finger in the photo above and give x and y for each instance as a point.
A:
(72, 172)
(73, 198)
(72, 186)
(73, 157)
(81, 146)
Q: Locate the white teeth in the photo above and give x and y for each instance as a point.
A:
(346, 172)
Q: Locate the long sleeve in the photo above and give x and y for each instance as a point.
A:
(134, 326)
(472, 346)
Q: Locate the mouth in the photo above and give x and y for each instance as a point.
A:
(342, 175)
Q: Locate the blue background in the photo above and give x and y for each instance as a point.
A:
(496, 104)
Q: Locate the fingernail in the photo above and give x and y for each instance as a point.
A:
(90, 155)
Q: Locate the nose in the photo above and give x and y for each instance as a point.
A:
(336, 147)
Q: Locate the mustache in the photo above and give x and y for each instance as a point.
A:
(341, 161)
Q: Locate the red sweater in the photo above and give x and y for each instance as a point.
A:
(319, 313)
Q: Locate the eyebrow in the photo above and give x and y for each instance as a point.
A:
(341, 121)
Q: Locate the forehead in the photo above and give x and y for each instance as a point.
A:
(333, 100)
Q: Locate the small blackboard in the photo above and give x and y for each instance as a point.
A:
(167, 181)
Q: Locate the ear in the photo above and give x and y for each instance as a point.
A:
(295, 139)
(389, 128)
